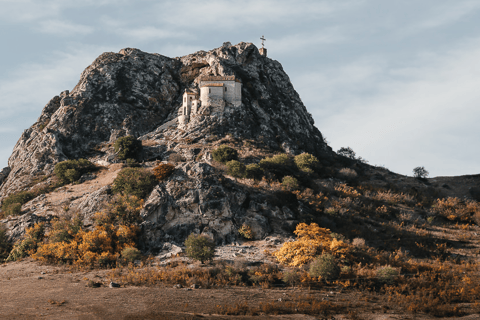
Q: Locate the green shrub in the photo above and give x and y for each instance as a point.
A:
(253, 171)
(291, 277)
(12, 204)
(64, 228)
(128, 147)
(235, 168)
(199, 247)
(132, 163)
(71, 170)
(325, 266)
(134, 181)
(130, 254)
(306, 162)
(290, 183)
(387, 275)
(280, 165)
(224, 154)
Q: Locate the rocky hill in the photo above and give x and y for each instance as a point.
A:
(136, 93)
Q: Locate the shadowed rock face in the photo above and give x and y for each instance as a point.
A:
(137, 93)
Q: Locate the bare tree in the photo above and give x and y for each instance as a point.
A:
(420, 172)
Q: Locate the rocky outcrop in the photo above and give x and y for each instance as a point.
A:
(137, 93)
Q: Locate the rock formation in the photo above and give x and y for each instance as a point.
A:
(139, 94)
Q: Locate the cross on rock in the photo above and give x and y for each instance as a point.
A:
(263, 39)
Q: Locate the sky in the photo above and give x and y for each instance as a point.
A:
(396, 81)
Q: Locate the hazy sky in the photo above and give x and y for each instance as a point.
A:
(397, 81)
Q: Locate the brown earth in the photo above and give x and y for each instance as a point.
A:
(29, 290)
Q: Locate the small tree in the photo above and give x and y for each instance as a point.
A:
(420, 172)
(347, 152)
(325, 266)
(128, 147)
(200, 247)
(224, 154)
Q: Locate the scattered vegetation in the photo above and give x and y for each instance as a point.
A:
(12, 204)
(224, 154)
(163, 171)
(128, 148)
(199, 247)
(5, 246)
(138, 182)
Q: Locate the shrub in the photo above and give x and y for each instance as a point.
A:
(132, 163)
(306, 162)
(246, 231)
(71, 170)
(325, 266)
(12, 204)
(27, 246)
(312, 240)
(387, 275)
(290, 183)
(124, 209)
(224, 154)
(347, 152)
(199, 247)
(175, 157)
(280, 164)
(163, 171)
(348, 174)
(235, 168)
(134, 181)
(420, 172)
(128, 147)
(253, 171)
(130, 254)
(64, 229)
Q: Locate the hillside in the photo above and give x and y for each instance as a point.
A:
(146, 150)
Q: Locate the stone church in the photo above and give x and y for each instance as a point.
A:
(215, 91)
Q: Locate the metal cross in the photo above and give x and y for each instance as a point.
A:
(263, 39)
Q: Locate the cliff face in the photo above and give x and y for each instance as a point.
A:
(137, 93)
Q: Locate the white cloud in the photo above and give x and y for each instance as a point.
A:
(420, 114)
(152, 33)
(64, 28)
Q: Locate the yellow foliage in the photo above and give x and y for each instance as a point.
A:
(346, 190)
(312, 240)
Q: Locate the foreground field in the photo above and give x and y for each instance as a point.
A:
(29, 290)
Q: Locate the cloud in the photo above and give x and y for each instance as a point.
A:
(64, 28)
(423, 112)
(152, 33)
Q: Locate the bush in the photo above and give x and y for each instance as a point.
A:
(348, 174)
(134, 181)
(235, 168)
(163, 171)
(71, 170)
(253, 171)
(347, 152)
(130, 254)
(420, 172)
(124, 209)
(128, 147)
(199, 247)
(306, 162)
(27, 246)
(387, 275)
(325, 266)
(12, 204)
(280, 165)
(246, 231)
(290, 183)
(224, 154)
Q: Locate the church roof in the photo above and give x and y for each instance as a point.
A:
(217, 78)
(212, 85)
